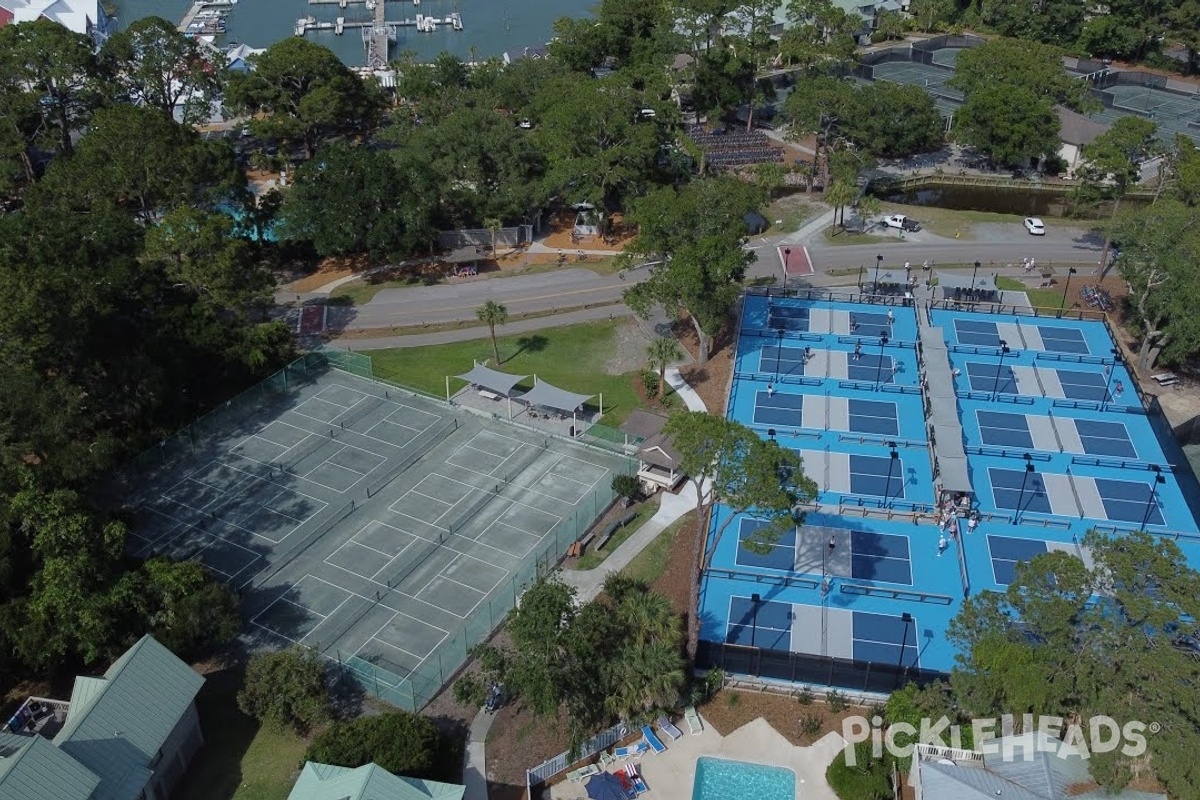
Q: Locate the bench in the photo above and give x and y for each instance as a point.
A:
(613, 527)
(1166, 378)
(489, 395)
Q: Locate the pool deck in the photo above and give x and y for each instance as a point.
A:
(671, 774)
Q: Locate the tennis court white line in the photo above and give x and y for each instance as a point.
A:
(522, 488)
(603, 474)
(488, 453)
(515, 528)
(563, 458)
(326, 617)
(353, 541)
(399, 592)
(335, 386)
(387, 558)
(410, 433)
(420, 659)
(213, 540)
(231, 523)
(316, 398)
(259, 433)
(422, 412)
(459, 583)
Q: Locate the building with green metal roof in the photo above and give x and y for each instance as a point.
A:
(128, 735)
(368, 782)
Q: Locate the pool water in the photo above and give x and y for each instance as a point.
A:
(720, 779)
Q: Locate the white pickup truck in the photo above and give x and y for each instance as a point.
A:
(901, 222)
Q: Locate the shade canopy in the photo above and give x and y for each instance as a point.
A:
(549, 396)
(604, 786)
(981, 283)
(462, 255)
(499, 382)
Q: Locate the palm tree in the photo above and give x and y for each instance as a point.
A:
(494, 225)
(493, 314)
(661, 353)
(647, 617)
(839, 195)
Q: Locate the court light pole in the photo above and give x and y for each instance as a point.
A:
(1158, 479)
(887, 489)
(1024, 482)
(907, 619)
(878, 264)
(778, 351)
(1116, 354)
(883, 340)
(754, 600)
(999, 368)
(1071, 271)
(973, 274)
(787, 256)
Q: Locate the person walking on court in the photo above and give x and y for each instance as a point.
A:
(857, 351)
(891, 317)
(770, 390)
(942, 545)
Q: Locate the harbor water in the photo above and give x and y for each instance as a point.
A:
(489, 26)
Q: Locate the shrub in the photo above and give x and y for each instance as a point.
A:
(627, 486)
(805, 696)
(837, 701)
(400, 742)
(285, 689)
(650, 383)
(732, 699)
(811, 724)
(469, 691)
(868, 779)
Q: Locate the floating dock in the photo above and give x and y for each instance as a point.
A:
(206, 17)
(376, 32)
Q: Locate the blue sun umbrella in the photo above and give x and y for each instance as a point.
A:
(605, 786)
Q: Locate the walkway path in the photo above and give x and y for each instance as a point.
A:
(587, 585)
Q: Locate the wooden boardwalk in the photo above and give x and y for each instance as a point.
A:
(377, 44)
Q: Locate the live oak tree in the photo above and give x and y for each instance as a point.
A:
(300, 93)
(398, 741)
(1117, 639)
(286, 689)
(1009, 123)
(1036, 69)
(154, 64)
(696, 233)
(58, 69)
(1160, 247)
(1110, 166)
(356, 199)
(730, 465)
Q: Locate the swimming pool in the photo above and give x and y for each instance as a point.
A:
(720, 779)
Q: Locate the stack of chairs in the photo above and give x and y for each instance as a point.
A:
(735, 149)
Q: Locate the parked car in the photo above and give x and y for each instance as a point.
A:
(901, 222)
(1035, 226)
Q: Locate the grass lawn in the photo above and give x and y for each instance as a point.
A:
(572, 357)
(842, 237)
(794, 210)
(955, 223)
(592, 559)
(1038, 298)
(240, 759)
(649, 565)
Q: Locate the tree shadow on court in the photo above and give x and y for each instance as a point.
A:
(529, 344)
(346, 695)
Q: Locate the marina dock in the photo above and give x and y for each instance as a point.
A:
(206, 17)
(376, 32)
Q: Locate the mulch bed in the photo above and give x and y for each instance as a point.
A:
(711, 380)
(782, 712)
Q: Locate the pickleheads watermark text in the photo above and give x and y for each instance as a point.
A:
(995, 737)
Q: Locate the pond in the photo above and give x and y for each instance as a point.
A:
(1019, 200)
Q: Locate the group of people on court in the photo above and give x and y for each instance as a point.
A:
(947, 515)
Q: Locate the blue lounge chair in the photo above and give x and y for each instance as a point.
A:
(652, 739)
(631, 751)
(667, 729)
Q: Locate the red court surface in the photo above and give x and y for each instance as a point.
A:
(312, 320)
(795, 260)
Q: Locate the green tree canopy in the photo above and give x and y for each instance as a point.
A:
(355, 199)
(285, 689)
(59, 70)
(156, 65)
(892, 121)
(402, 743)
(300, 93)
(730, 465)
(1160, 247)
(1037, 69)
(1008, 123)
(1117, 639)
(697, 233)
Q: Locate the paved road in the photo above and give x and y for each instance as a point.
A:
(575, 287)
(432, 305)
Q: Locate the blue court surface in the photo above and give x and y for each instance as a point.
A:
(1007, 552)
(865, 584)
(880, 557)
(779, 408)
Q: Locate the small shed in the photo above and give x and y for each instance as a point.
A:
(658, 464)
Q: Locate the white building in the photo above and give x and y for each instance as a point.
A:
(80, 16)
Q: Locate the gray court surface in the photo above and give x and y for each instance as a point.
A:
(366, 522)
